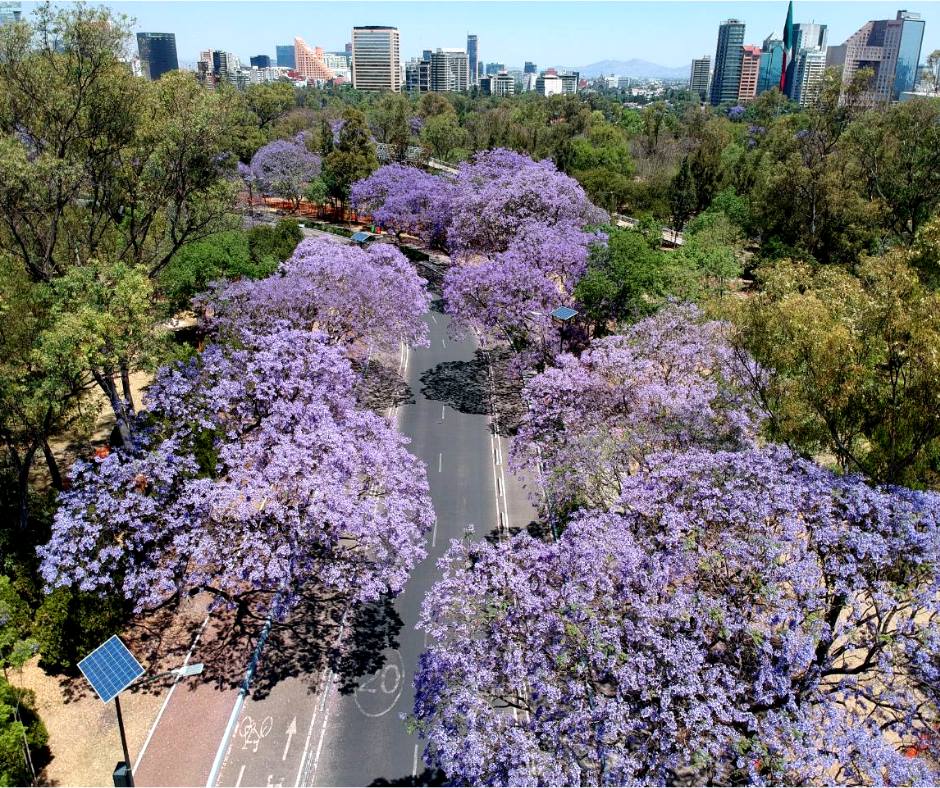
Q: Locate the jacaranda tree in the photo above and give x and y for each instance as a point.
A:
(407, 200)
(285, 168)
(254, 470)
(366, 299)
(739, 617)
(671, 381)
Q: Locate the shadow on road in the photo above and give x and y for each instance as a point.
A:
(427, 777)
(380, 387)
(460, 384)
(300, 646)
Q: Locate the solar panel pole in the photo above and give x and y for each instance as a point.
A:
(127, 755)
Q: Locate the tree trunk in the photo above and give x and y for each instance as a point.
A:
(123, 411)
(53, 466)
(126, 387)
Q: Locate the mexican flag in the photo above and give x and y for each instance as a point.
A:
(787, 48)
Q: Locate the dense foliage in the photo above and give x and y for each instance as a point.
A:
(737, 617)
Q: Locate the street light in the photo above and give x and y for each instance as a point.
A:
(111, 669)
(563, 315)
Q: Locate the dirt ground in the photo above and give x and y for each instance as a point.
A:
(83, 732)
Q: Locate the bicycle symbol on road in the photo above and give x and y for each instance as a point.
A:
(253, 733)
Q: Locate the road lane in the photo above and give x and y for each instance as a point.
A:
(364, 740)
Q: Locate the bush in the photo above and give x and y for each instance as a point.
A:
(252, 254)
(69, 624)
(18, 716)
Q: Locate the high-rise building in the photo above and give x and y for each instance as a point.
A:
(157, 54)
(808, 76)
(548, 84)
(472, 59)
(426, 54)
(260, 61)
(698, 79)
(771, 64)
(285, 55)
(494, 68)
(569, 82)
(216, 66)
(376, 63)
(10, 11)
(728, 54)
(891, 48)
(309, 62)
(750, 69)
(449, 70)
(418, 75)
(808, 36)
(530, 68)
(501, 84)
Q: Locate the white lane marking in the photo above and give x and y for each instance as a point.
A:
(434, 535)
(433, 318)
(443, 412)
(291, 730)
(316, 758)
(241, 771)
(166, 700)
(440, 461)
(414, 763)
(443, 343)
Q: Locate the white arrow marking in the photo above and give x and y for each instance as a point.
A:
(291, 730)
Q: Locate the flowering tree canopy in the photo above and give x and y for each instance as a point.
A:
(368, 298)
(285, 168)
(742, 617)
(406, 200)
(500, 192)
(256, 472)
(671, 381)
(510, 296)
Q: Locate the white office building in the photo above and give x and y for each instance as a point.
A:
(376, 63)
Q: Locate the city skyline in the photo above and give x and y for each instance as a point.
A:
(561, 33)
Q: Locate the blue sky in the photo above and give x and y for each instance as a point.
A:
(550, 33)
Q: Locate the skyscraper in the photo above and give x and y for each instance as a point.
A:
(261, 61)
(376, 64)
(698, 79)
(805, 36)
(530, 68)
(157, 54)
(285, 56)
(418, 75)
(771, 64)
(449, 70)
(891, 48)
(728, 54)
(750, 68)
(808, 76)
(472, 57)
(309, 61)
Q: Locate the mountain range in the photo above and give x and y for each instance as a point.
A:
(635, 68)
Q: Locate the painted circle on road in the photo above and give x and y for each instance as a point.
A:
(379, 693)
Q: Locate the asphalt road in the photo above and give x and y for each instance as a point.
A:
(325, 729)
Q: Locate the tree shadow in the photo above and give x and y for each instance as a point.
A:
(534, 528)
(463, 385)
(427, 777)
(380, 387)
(301, 645)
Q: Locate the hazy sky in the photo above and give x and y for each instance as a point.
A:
(550, 33)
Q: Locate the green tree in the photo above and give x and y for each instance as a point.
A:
(352, 159)
(626, 280)
(851, 364)
(391, 120)
(898, 149)
(269, 101)
(683, 198)
(441, 135)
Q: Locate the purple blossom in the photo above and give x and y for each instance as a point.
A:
(285, 168)
(734, 619)
(671, 381)
(366, 299)
(257, 472)
(736, 112)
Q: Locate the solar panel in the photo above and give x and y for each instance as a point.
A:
(110, 668)
(360, 237)
(564, 313)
